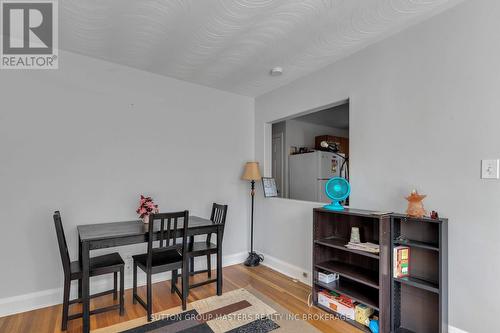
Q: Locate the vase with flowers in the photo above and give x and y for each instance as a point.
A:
(146, 208)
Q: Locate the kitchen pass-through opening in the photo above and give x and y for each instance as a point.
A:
(309, 149)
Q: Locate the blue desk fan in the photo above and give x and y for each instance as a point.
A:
(337, 189)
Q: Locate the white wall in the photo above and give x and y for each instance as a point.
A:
(71, 141)
(424, 110)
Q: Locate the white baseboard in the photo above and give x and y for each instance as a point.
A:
(295, 272)
(290, 270)
(453, 329)
(49, 297)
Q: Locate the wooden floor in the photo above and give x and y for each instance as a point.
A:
(281, 289)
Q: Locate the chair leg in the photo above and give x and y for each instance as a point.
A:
(80, 288)
(122, 290)
(67, 286)
(191, 260)
(173, 281)
(149, 296)
(185, 283)
(209, 266)
(115, 285)
(134, 284)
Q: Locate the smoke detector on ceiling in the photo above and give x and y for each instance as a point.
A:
(276, 71)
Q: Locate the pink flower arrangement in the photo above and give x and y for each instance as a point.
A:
(146, 207)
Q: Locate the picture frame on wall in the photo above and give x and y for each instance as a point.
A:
(269, 185)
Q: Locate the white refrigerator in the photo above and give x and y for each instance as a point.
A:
(309, 172)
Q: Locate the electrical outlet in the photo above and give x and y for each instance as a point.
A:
(490, 169)
(128, 262)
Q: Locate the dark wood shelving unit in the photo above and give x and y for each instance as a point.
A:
(414, 304)
(420, 301)
(364, 277)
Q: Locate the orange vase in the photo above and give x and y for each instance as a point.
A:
(415, 205)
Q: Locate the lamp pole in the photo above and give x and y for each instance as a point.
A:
(252, 193)
(253, 258)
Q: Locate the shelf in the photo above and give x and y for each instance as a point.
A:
(353, 212)
(359, 293)
(419, 283)
(350, 321)
(358, 274)
(405, 218)
(403, 330)
(339, 243)
(414, 243)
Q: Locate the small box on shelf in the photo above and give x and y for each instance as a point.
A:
(341, 304)
(345, 306)
(327, 277)
(362, 313)
(325, 298)
(401, 262)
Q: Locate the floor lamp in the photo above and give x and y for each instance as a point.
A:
(252, 173)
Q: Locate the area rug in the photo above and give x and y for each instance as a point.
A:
(237, 311)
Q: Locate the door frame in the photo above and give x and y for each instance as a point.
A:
(282, 138)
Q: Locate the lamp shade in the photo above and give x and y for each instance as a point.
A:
(251, 171)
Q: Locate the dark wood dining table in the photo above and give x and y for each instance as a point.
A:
(106, 235)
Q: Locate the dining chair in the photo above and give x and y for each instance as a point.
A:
(100, 265)
(206, 248)
(169, 255)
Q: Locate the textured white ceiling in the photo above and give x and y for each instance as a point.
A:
(232, 44)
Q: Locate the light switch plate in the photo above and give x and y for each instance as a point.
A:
(490, 169)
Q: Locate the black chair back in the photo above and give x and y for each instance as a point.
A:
(168, 231)
(63, 246)
(218, 216)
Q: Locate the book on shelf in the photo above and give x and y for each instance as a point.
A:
(367, 247)
(401, 264)
(345, 306)
(339, 303)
